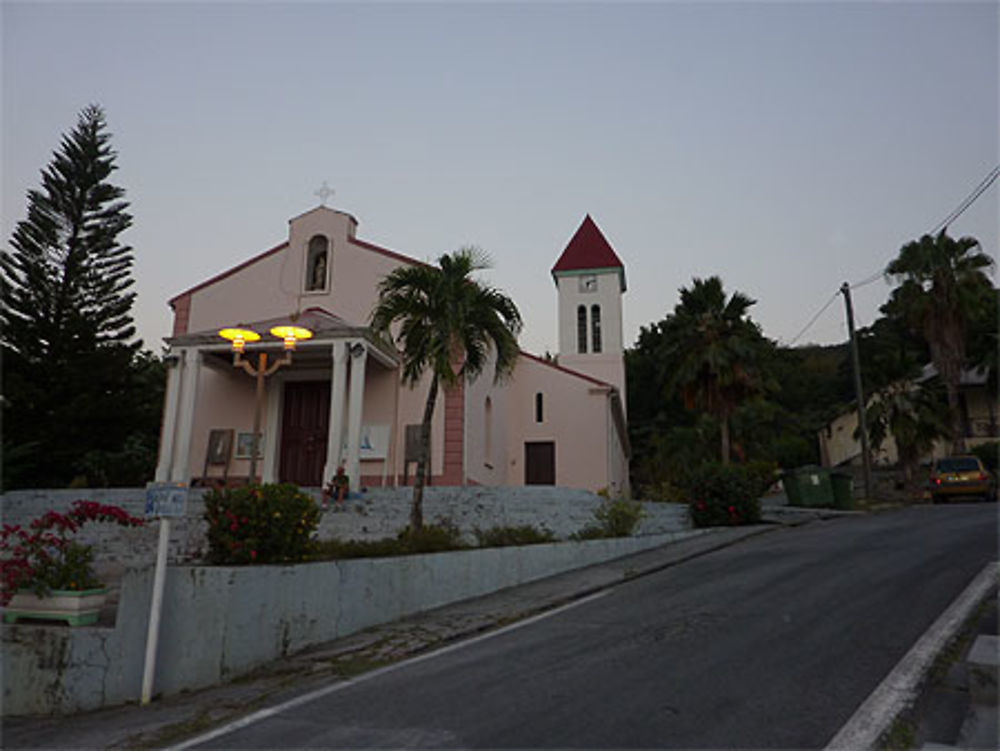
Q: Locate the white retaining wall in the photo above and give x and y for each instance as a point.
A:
(221, 622)
(380, 512)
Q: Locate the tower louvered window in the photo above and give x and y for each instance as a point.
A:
(595, 326)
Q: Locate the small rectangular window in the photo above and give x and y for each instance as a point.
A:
(539, 411)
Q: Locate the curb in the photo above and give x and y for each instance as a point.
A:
(900, 688)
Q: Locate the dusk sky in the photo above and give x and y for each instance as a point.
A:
(786, 147)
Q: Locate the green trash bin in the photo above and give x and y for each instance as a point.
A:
(790, 481)
(843, 490)
(814, 486)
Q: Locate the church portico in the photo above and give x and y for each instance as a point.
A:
(313, 407)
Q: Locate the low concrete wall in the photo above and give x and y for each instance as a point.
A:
(377, 513)
(383, 512)
(221, 622)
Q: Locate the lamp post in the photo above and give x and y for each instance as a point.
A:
(239, 336)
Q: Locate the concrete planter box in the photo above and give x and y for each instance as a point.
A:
(221, 622)
(77, 608)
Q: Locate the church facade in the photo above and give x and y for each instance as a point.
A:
(338, 399)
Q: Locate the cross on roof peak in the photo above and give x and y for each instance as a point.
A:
(324, 193)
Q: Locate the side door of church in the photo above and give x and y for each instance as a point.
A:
(305, 427)
(540, 463)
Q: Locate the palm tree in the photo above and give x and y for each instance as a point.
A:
(912, 416)
(942, 288)
(449, 324)
(715, 347)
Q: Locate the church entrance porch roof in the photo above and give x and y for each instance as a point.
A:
(326, 328)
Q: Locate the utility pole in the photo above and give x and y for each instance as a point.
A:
(866, 459)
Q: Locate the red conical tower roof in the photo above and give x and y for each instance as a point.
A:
(589, 250)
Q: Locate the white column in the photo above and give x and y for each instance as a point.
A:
(180, 467)
(335, 436)
(272, 444)
(169, 430)
(355, 401)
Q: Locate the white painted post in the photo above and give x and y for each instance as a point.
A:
(181, 468)
(169, 431)
(335, 436)
(355, 402)
(153, 633)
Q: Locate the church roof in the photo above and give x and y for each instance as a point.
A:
(589, 250)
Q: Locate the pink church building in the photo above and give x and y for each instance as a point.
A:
(341, 402)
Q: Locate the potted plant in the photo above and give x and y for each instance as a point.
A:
(44, 573)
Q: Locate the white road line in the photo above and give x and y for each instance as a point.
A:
(327, 690)
(899, 688)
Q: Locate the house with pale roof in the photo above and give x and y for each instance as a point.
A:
(979, 410)
(338, 399)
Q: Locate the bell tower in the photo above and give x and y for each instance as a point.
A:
(590, 280)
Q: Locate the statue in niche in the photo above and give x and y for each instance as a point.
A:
(317, 276)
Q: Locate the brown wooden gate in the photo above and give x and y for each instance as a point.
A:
(305, 425)
(540, 463)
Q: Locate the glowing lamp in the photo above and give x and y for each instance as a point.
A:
(239, 337)
(291, 334)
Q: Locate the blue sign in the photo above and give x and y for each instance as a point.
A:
(166, 499)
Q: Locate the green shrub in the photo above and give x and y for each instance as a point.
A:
(590, 532)
(760, 475)
(432, 538)
(987, 453)
(260, 524)
(327, 550)
(664, 491)
(525, 534)
(617, 518)
(720, 495)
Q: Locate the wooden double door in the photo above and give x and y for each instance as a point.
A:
(305, 429)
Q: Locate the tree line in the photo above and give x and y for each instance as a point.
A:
(705, 384)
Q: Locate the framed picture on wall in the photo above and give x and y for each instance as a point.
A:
(244, 445)
(220, 446)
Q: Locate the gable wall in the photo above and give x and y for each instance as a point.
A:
(272, 286)
(575, 416)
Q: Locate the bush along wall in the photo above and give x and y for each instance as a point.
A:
(260, 524)
(720, 495)
(613, 518)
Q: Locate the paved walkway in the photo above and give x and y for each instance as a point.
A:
(175, 718)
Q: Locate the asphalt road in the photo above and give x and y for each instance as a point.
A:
(772, 643)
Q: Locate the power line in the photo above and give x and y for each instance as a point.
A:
(812, 320)
(959, 210)
(869, 279)
(969, 200)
